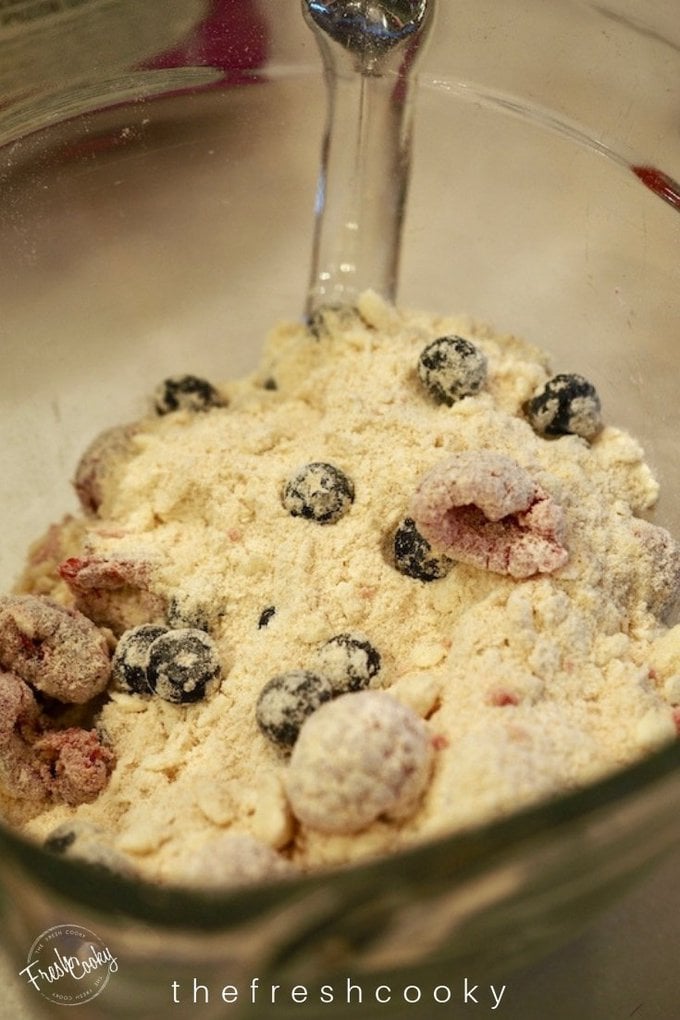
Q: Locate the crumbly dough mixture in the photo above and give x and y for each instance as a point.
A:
(524, 686)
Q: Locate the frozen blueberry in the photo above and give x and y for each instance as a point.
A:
(413, 554)
(349, 661)
(567, 405)
(286, 700)
(265, 617)
(184, 666)
(452, 368)
(87, 842)
(183, 612)
(186, 393)
(319, 492)
(61, 839)
(131, 658)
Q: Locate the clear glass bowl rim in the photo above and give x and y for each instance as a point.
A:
(448, 861)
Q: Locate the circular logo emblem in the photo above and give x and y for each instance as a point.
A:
(69, 965)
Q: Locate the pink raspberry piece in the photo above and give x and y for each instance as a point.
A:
(19, 715)
(97, 464)
(78, 762)
(93, 574)
(661, 591)
(360, 757)
(113, 593)
(54, 649)
(37, 764)
(483, 509)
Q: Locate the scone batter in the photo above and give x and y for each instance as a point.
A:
(439, 571)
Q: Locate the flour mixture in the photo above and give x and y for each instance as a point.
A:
(397, 583)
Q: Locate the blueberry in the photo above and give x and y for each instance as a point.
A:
(413, 554)
(286, 700)
(131, 657)
(349, 661)
(567, 405)
(265, 617)
(452, 368)
(87, 842)
(184, 666)
(319, 492)
(183, 612)
(61, 839)
(186, 393)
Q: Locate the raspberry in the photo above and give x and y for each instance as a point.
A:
(70, 765)
(113, 593)
(486, 510)
(54, 649)
(362, 757)
(79, 764)
(658, 568)
(97, 464)
(21, 775)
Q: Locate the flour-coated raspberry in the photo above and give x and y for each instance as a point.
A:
(70, 765)
(98, 462)
(79, 763)
(361, 757)
(483, 509)
(56, 650)
(113, 593)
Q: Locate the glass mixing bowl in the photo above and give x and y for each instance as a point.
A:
(156, 215)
